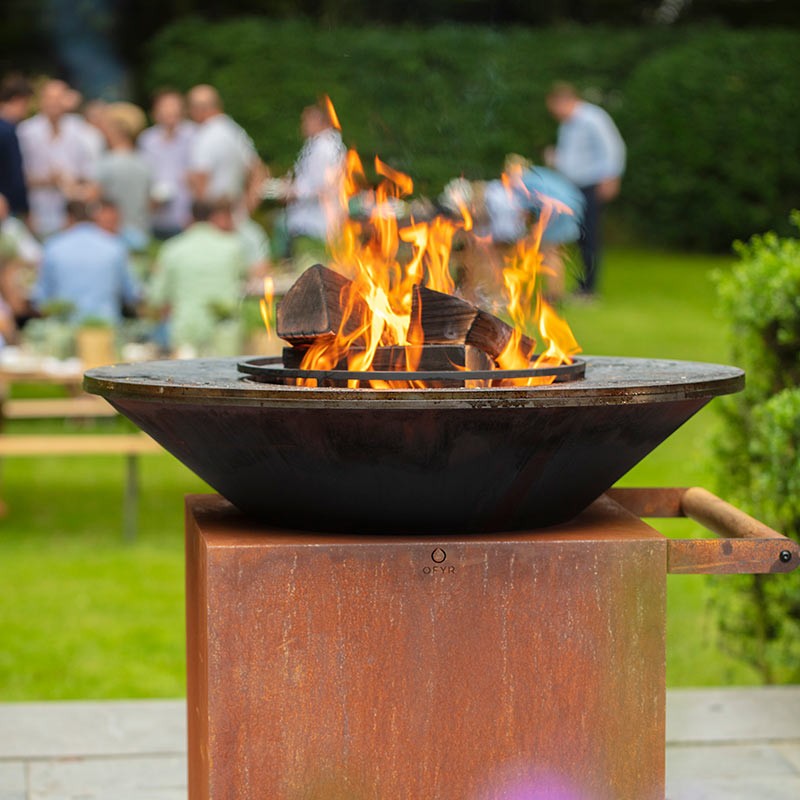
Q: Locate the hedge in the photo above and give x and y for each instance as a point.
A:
(709, 115)
(759, 448)
(713, 128)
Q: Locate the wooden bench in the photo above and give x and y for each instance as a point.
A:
(81, 407)
(130, 445)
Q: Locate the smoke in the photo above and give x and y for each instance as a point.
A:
(82, 34)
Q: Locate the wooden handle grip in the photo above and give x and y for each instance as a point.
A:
(722, 518)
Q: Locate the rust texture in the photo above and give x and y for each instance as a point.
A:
(325, 667)
(747, 546)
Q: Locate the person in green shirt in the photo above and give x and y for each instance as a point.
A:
(198, 284)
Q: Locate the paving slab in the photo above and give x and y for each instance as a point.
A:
(735, 789)
(92, 728)
(733, 714)
(13, 781)
(153, 778)
(723, 744)
(686, 762)
(791, 752)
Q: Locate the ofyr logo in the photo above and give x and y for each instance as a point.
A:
(439, 556)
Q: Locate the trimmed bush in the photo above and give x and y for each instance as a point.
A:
(759, 447)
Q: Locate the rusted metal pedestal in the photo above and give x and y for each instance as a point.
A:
(480, 667)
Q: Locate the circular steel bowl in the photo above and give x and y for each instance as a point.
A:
(411, 460)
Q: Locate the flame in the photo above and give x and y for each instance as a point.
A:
(382, 282)
(267, 306)
(529, 312)
(556, 333)
(385, 261)
(403, 182)
(332, 115)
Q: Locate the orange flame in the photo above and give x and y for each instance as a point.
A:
(332, 115)
(377, 304)
(267, 306)
(403, 182)
(528, 310)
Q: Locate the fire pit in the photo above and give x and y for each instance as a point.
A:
(411, 460)
(475, 654)
(507, 640)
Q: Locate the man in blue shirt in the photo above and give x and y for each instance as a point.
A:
(591, 153)
(86, 267)
(15, 95)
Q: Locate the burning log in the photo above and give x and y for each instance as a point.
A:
(431, 358)
(443, 319)
(446, 319)
(313, 309)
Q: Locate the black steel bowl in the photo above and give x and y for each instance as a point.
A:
(411, 460)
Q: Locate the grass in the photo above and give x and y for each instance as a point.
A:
(83, 615)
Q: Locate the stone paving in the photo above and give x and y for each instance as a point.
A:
(722, 744)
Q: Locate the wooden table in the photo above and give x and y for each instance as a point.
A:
(77, 405)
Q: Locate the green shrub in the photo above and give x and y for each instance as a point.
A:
(759, 447)
(712, 125)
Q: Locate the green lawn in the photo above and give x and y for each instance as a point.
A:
(84, 615)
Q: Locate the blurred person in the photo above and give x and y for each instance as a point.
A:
(590, 152)
(89, 117)
(105, 214)
(20, 254)
(558, 206)
(57, 157)
(504, 211)
(199, 275)
(16, 236)
(72, 100)
(86, 267)
(223, 162)
(258, 253)
(166, 147)
(8, 326)
(93, 119)
(254, 240)
(314, 211)
(123, 174)
(15, 97)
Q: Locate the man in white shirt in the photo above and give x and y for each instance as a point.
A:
(591, 153)
(167, 146)
(315, 210)
(223, 162)
(58, 159)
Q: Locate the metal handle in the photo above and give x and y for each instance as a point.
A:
(747, 546)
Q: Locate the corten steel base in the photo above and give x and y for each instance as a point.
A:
(327, 667)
